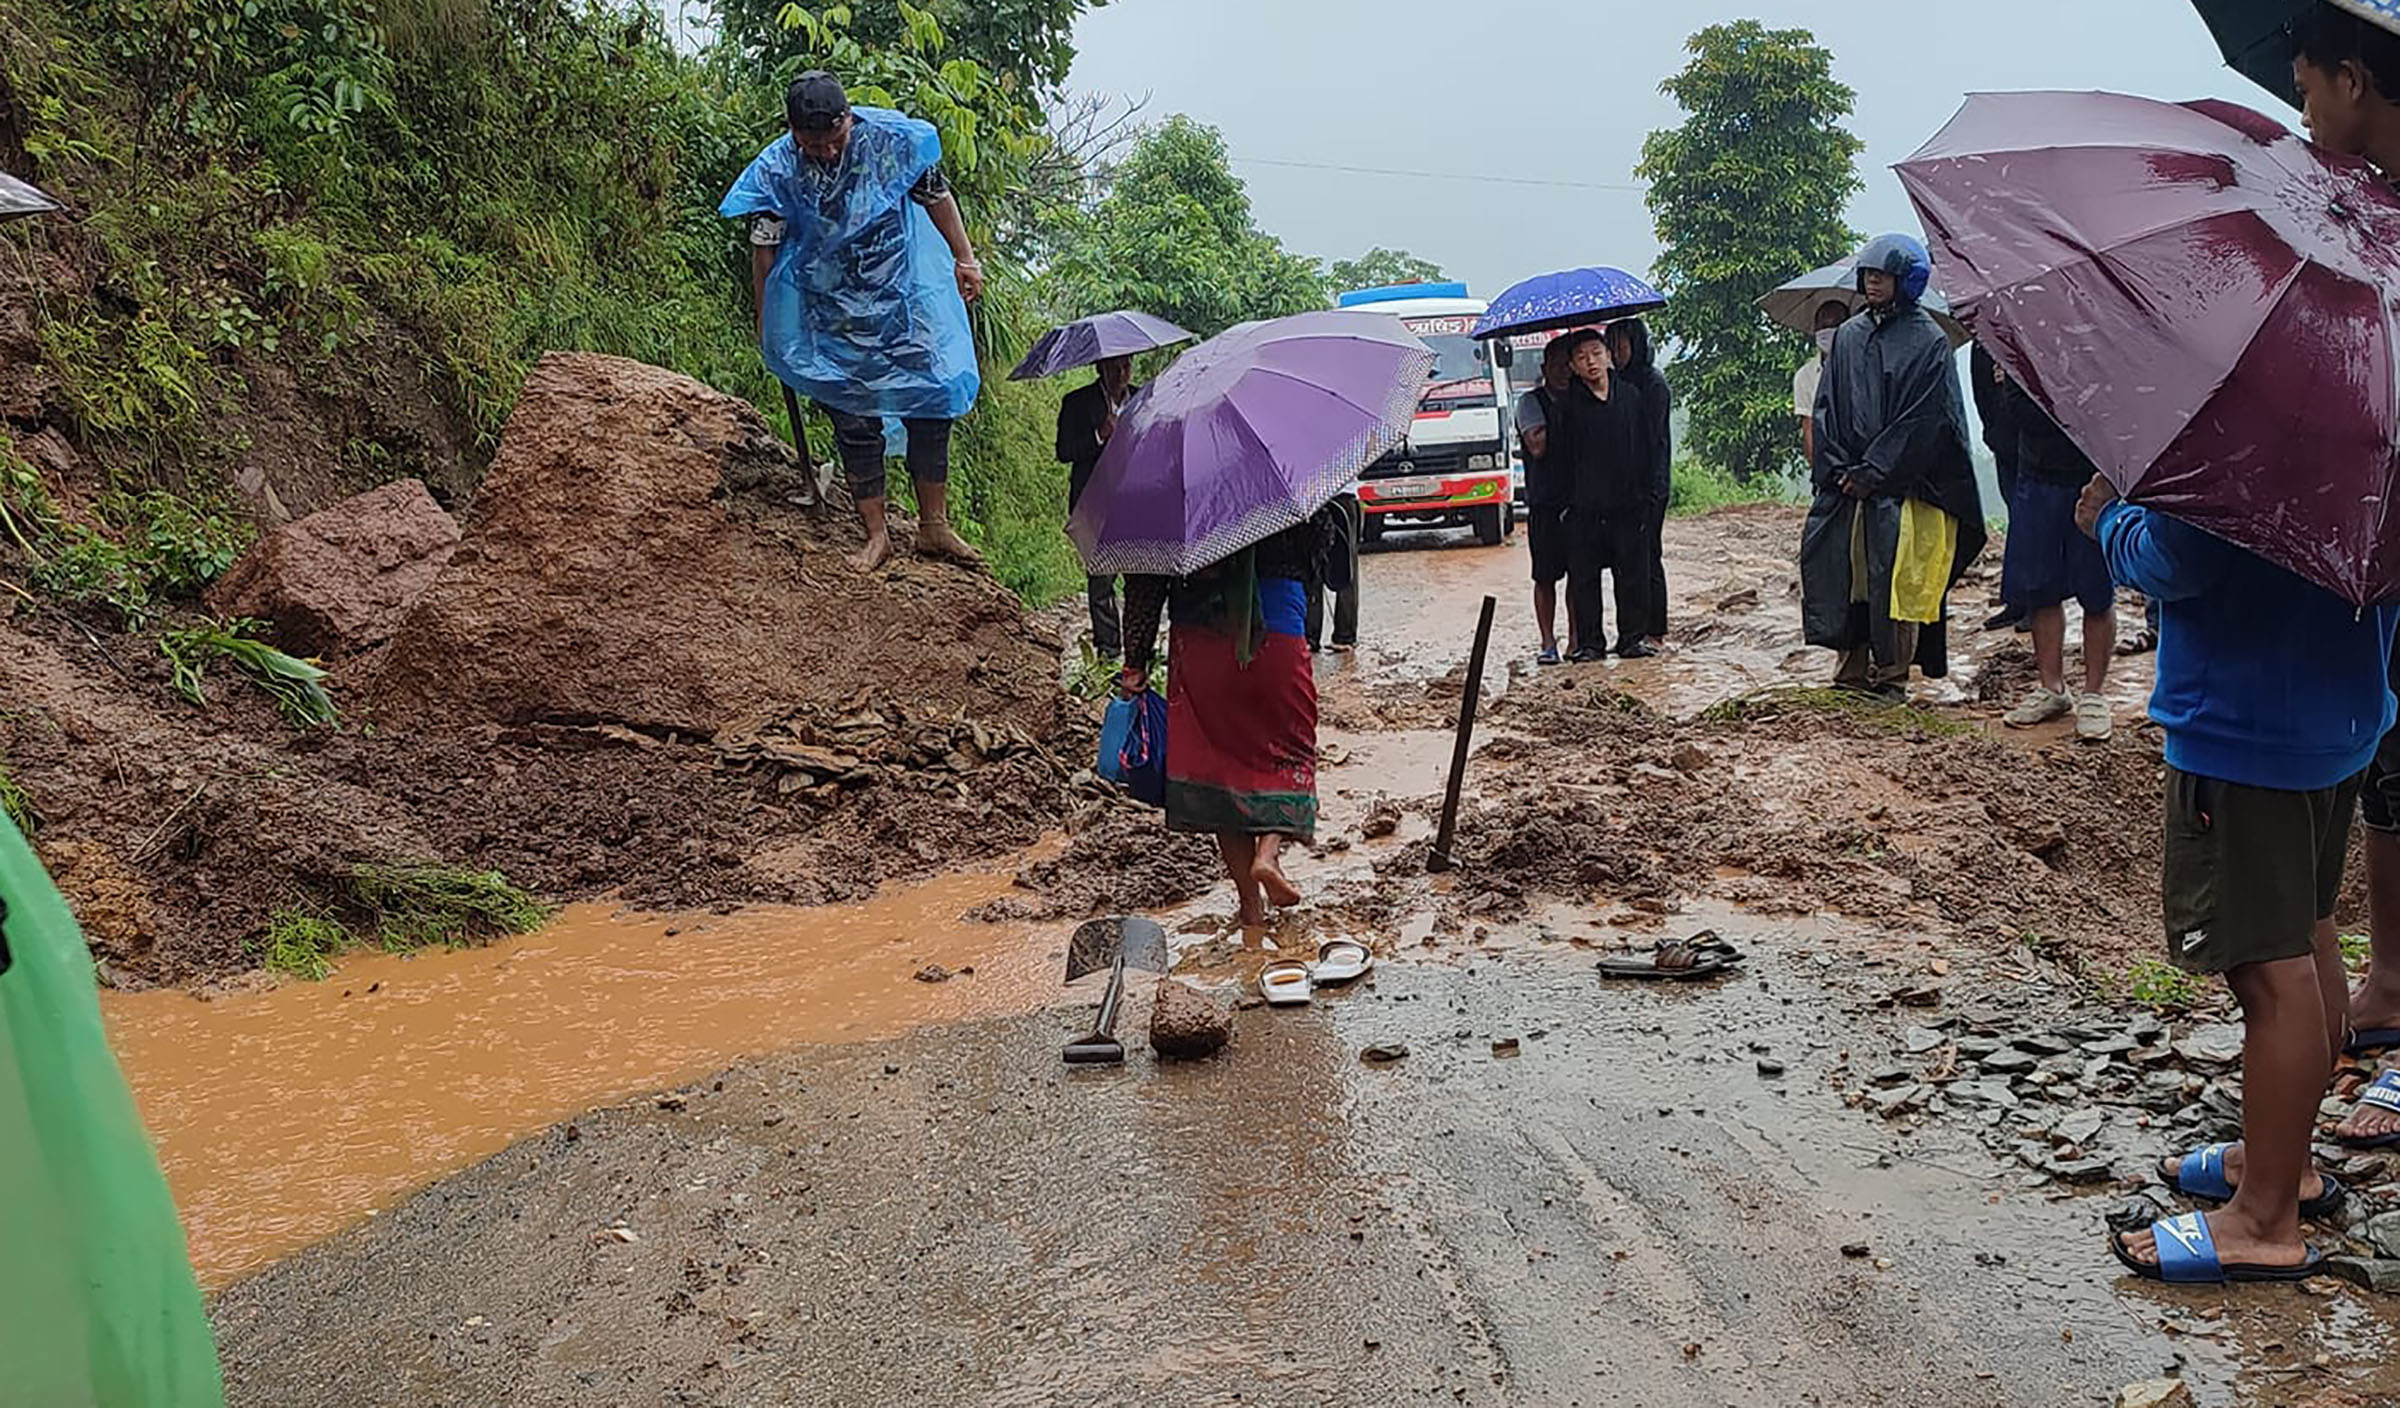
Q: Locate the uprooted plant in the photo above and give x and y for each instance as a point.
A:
(419, 904)
(400, 907)
(296, 685)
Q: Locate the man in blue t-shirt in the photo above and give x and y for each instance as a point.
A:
(2272, 694)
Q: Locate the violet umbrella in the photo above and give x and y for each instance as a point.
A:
(1096, 339)
(2204, 302)
(1246, 435)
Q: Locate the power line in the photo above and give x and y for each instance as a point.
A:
(1437, 175)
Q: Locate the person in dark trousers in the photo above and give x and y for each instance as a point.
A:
(1596, 441)
(1996, 408)
(1897, 516)
(2272, 695)
(1637, 366)
(839, 151)
(1086, 418)
(1547, 493)
(1339, 579)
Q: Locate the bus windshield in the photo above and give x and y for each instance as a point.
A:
(1460, 358)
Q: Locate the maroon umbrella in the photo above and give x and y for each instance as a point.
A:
(2202, 300)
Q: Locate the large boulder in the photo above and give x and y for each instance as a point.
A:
(341, 579)
(633, 560)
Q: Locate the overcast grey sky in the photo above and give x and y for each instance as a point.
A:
(1564, 91)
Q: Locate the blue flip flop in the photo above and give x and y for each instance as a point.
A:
(2383, 1094)
(2187, 1256)
(2372, 1039)
(2201, 1175)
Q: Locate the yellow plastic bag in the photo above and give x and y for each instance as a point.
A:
(1921, 569)
(98, 1308)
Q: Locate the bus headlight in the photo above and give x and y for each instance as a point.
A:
(1485, 462)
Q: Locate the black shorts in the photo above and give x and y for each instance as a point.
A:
(2379, 792)
(2250, 870)
(1546, 534)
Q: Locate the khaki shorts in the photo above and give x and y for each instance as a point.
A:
(2250, 870)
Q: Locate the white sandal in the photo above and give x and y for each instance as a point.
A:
(1286, 983)
(1340, 961)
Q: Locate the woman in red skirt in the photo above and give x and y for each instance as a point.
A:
(1241, 699)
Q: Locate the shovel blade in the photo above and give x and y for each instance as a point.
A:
(1097, 943)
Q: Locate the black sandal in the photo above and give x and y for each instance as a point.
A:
(1703, 955)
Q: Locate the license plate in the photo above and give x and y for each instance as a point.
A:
(1408, 488)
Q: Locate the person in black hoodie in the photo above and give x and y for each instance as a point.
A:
(1637, 365)
(1596, 440)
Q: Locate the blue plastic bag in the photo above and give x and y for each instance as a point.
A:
(1116, 726)
(863, 311)
(1133, 746)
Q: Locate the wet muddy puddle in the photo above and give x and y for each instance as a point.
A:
(283, 1115)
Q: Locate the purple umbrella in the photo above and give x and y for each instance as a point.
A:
(1096, 339)
(2204, 302)
(1246, 435)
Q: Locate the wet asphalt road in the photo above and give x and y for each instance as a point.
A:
(1625, 1212)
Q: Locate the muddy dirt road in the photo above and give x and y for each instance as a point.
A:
(1778, 1188)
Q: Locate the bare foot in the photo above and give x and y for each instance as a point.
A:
(940, 540)
(1274, 884)
(2367, 1122)
(877, 552)
(2236, 1243)
(2312, 1186)
(1252, 916)
(2373, 1006)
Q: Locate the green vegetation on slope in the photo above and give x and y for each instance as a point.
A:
(367, 205)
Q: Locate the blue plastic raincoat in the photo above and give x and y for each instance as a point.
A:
(863, 312)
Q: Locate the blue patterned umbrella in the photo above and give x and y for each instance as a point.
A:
(1567, 299)
(2256, 35)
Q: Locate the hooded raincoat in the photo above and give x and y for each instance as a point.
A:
(1889, 417)
(863, 312)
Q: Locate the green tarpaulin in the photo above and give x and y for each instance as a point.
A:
(97, 1301)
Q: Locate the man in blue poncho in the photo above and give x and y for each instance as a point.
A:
(862, 268)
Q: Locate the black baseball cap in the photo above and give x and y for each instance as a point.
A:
(815, 102)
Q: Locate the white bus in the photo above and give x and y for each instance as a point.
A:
(1455, 469)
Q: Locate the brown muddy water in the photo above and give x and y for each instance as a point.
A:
(284, 1115)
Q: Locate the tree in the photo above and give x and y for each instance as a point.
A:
(1747, 193)
(1379, 267)
(1174, 236)
(1027, 44)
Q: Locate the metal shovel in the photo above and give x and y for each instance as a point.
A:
(815, 502)
(1111, 944)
